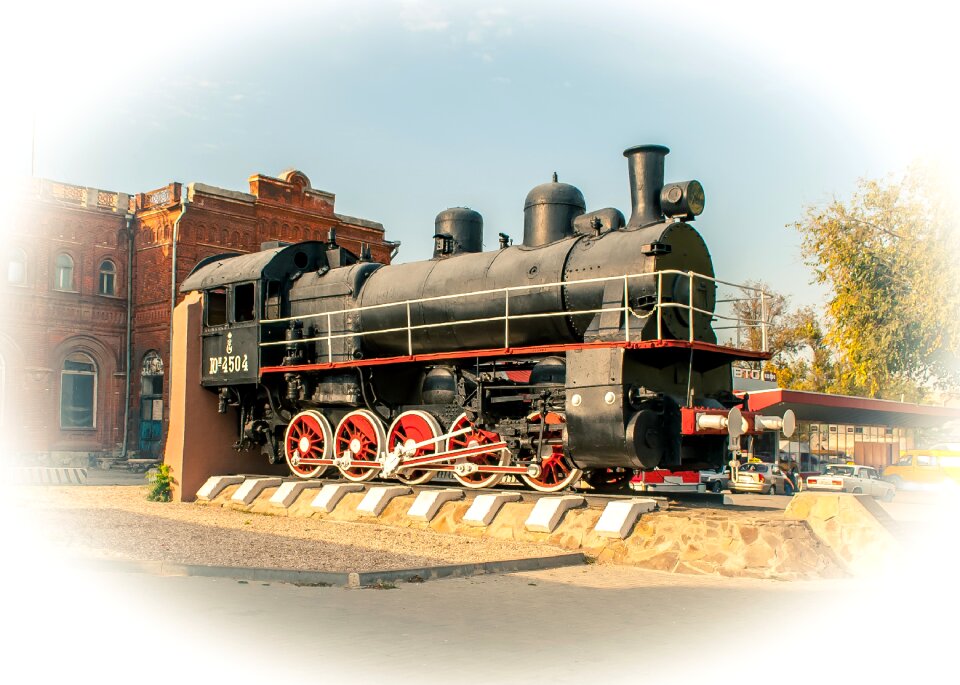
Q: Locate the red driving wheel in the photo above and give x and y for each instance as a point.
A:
(410, 428)
(477, 437)
(360, 435)
(307, 439)
(556, 470)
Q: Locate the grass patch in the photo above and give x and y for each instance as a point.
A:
(380, 585)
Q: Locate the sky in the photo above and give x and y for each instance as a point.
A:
(405, 108)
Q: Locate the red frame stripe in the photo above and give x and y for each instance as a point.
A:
(732, 352)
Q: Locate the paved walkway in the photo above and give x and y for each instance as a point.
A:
(568, 626)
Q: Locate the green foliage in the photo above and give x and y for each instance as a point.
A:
(800, 356)
(893, 322)
(160, 480)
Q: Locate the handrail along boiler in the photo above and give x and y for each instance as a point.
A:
(588, 351)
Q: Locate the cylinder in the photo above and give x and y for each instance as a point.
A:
(549, 211)
(645, 165)
(464, 226)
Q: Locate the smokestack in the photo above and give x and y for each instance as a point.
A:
(645, 163)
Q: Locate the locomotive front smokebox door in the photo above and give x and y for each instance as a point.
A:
(231, 336)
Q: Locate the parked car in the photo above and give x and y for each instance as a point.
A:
(761, 477)
(715, 480)
(924, 469)
(853, 478)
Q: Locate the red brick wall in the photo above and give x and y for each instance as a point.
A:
(41, 325)
(213, 224)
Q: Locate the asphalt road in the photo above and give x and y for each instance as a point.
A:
(580, 625)
(595, 623)
(920, 507)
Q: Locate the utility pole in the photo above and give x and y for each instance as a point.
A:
(33, 145)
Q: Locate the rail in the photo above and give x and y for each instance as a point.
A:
(754, 295)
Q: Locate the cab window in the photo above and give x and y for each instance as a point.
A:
(926, 460)
(271, 302)
(215, 306)
(244, 308)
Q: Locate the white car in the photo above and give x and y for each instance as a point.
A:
(715, 480)
(852, 478)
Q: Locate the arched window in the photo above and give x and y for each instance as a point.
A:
(17, 266)
(63, 275)
(151, 374)
(78, 392)
(108, 278)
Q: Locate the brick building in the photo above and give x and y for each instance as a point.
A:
(88, 282)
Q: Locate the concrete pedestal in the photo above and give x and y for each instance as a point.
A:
(485, 508)
(548, 511)
(215, 485)
(330, 495)
(252, 487)
(288, 492)
(199, 439)
(428, 503)
(377, 499)
(618, 517)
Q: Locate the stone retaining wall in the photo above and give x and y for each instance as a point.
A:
(702, 541)
(856, 529)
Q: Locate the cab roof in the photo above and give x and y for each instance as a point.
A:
(274, 264)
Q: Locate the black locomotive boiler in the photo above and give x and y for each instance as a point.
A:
(588, 350)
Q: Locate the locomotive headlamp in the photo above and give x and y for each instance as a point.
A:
(683, 200)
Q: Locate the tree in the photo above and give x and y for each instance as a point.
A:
(800, 355)
(888, 255)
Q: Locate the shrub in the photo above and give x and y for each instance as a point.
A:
(159, 479)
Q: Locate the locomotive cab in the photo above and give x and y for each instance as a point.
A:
(230, 333)
(238, 292)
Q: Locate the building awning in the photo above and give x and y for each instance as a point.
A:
(825, 408)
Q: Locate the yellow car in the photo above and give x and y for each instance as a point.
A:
(925, 470)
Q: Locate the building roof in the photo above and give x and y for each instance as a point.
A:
(818, 406)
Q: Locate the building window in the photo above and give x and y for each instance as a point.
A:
(151, 374)
(63, 276)
(17, 266)
(108, 278)
(78, 392)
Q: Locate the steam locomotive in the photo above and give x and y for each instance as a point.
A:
(586, 353)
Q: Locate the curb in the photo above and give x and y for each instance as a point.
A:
(462, 570)
(43, 475)
(326, 578)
